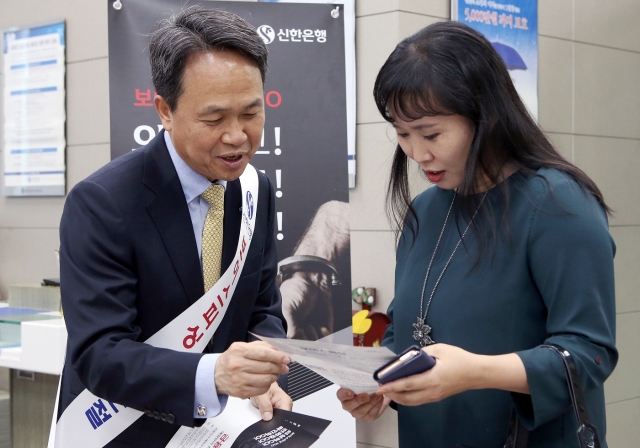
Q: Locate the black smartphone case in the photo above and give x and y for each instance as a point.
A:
(418, 364)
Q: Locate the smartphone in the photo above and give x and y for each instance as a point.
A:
(410, 362)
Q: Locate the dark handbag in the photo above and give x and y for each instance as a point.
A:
(517, 436)
(587, 435)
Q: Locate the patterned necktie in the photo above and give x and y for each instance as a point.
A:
(212, 235)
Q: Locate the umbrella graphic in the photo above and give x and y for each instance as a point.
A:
(510, 56)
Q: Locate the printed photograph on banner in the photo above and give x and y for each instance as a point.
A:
(512, 28)
(303, 149)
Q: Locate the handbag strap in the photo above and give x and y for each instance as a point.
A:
(587, 435)
(517, 434)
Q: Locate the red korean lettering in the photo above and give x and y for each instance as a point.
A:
(226, 291)
(210, 315)
(236, 269)
(273, 98)
(190, 340)
(143, 98)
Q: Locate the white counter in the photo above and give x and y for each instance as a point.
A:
(43, 344)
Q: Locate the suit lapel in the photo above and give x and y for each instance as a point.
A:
(170, 214)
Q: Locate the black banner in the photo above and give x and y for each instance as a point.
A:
(304, 149)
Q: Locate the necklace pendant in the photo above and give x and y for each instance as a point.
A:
(421, 333)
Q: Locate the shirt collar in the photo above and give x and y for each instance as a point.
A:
(193, 183)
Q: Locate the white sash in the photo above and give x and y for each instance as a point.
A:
(91, 422)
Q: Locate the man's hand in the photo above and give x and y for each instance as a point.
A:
(274, 398)
(249, 369)
(307, 305)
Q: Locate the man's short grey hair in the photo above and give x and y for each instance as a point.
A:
(196, 30)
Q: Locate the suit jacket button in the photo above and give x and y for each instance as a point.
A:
(163, 417)
(156, 415)
(170, 418)
(148, 413)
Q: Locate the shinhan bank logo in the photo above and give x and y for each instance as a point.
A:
(267, 33)
(249, 199)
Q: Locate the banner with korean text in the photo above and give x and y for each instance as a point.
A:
(512, 28)
(303, 149)
(33, 128)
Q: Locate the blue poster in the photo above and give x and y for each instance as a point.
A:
(512, 29)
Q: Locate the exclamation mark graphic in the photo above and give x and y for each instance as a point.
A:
(261, 151)
(277, 151)
(280, 236)
(278, 183)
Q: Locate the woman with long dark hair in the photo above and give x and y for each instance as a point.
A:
(508, 251)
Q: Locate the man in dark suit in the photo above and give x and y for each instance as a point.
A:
(131, 238)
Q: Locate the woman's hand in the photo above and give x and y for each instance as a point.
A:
(452, 374)
(363, 406)
(457, 370)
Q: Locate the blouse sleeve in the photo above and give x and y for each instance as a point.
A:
(570, 256)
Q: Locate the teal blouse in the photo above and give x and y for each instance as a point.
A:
(547, 278)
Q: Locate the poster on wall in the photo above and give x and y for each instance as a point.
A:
(303, 147)
(512, 28)
(303, 151)
(349, 7)
(34, 110)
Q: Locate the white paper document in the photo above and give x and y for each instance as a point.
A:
(347, 366)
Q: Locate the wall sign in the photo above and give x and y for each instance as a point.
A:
(34, 110)
(512, 28)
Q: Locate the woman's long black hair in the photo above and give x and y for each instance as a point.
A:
(449, 68)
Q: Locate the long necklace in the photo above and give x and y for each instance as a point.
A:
(422, 330)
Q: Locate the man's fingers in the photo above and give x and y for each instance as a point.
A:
(239, 375)
(264, 353)
(243, 365)
(264, 405)
(280, 399)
